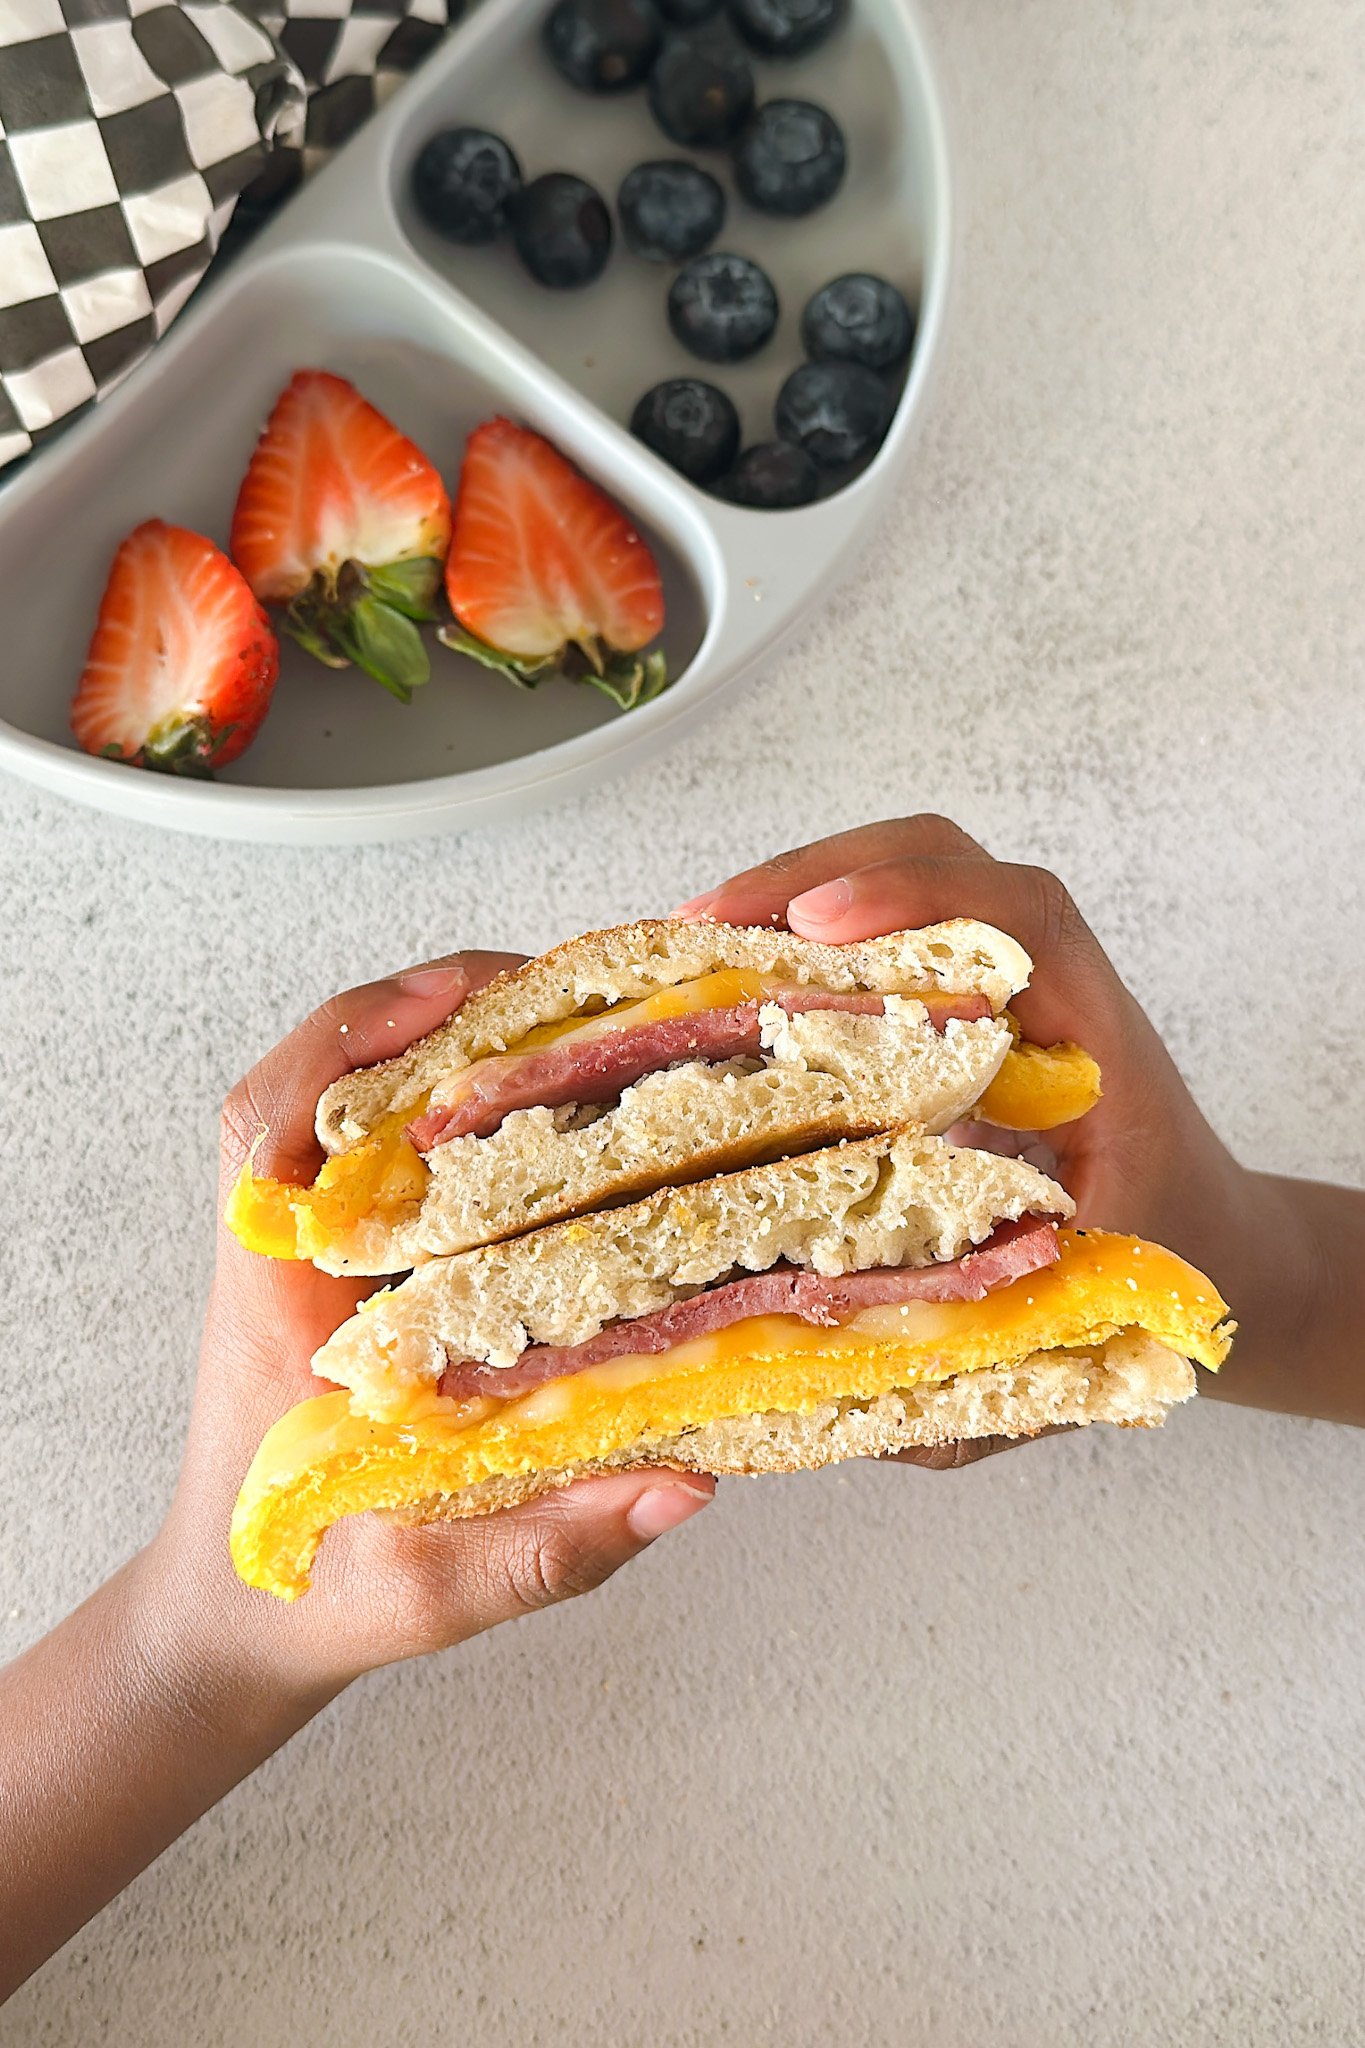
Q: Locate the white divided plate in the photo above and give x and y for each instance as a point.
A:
(348, 279)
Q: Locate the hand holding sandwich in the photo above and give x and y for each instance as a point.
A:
(173, 1681)
(1287, 1253)
(678, 1193)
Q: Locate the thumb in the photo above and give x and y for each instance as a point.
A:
(569, 1542)
(439, 1583)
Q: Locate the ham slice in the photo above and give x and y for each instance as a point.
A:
(1011, 1250)
(599, 1068)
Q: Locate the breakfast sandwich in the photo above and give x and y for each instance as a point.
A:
(859, 1298)
(653, 1055)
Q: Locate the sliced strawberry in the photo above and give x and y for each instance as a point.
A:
(344, 521)
(183, 663)
(545, 571)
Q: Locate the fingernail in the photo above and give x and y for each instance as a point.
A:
(699, 905)
(825, 905)
(436, 980)
(663, 1508)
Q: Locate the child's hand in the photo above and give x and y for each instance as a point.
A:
(1143, 1160)
(382, 1590)
(173, 1681)
(1119, 1161)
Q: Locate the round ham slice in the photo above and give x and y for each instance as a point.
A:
(600, 1067)
(1011, 1250)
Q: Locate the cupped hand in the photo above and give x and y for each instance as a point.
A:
(382, 1590)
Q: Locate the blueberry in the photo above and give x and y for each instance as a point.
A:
(837, 412)
(691, 425)
(561, 228)
(462, 182)
(603, 45)
(783, 28)
(688, 13)
(701, 91)
(772, 476)
(858, 319)
(790, 159)
(722, 307)
(670, 211)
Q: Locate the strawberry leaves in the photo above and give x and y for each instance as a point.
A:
(628, 679)
(410, 587)
(187, 747)
(370, 617)
(526, 671)
(385, 644)
(631, 679)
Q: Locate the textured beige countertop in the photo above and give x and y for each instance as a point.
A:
(1065, 1748)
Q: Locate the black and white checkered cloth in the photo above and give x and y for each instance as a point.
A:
(131, 132)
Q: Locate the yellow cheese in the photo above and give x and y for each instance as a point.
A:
(723, 990)
(321, 1461)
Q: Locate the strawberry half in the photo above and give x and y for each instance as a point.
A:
(344, 521)
(546, 573)
(183, 662)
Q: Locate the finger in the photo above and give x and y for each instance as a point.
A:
(971, 1450)
(761, 894)
(1074, 989)
(445, 1581)
(279, 1097)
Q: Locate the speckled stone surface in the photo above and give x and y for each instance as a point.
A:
(1064, 1748)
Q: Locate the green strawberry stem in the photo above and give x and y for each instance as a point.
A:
(385, 644)
(184, 746)
(525, 670)
(628, 679)
(311, 639)
(631, 679)
(370, 617)
(409, 587)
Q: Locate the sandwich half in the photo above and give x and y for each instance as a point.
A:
(654, 1054)
(862, 1298)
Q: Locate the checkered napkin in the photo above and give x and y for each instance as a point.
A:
(131, 134)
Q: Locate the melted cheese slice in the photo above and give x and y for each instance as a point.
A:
(321, 1461)
(723, 990)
